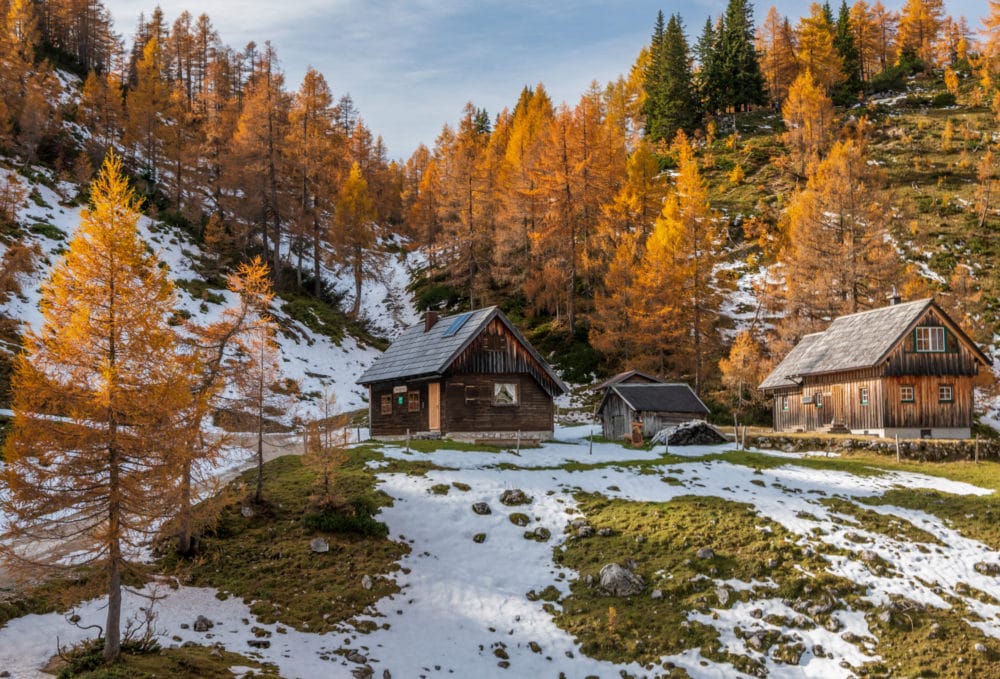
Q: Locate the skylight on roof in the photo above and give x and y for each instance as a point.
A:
(457, 324)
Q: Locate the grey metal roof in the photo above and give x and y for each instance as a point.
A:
(660, 398)
(416, 353)
(852, 342)
(621, 377)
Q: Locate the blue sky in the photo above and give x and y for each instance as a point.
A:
(411, 65)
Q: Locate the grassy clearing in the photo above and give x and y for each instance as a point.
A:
(913, 640)
(434, 445)
(974, 517)
(875, 522)
(266, 558)
(190, 662)
(664, 539)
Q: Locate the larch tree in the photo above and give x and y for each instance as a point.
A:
(919, 27)
(143, 107)
(839, 258)
(354, 235)
(91, 457)
(886, 24)
(677, 272)
(776, 44)
(742, 370)
(865, 34)
(616, 330)
(816, 51)
(809, 119)
(101, 112)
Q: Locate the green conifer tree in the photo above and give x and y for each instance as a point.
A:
(849, 87)
(673, 104)
(741, 79)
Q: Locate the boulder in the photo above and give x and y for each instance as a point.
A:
(705, 553)
(319, 545)
(481, 508)
(247, 512)
(514, 497)
(617, 580)
(693, 433)
(202, 624)
(366, 581)
(585, 531)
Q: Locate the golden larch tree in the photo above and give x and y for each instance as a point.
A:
(815, 49)
(354, 236)
(919, 27)
(776, 44)
(90, 458)
(809, 119)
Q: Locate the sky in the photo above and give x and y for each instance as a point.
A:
(411, 65)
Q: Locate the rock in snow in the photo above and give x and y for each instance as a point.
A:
(203, 624)
(482, 508)
(514, 496)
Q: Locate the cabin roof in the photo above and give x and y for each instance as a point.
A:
(621, 377)
(854, 342)
(660, 398)
(417, 353)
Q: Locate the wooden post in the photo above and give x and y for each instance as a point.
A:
(897, 447)
(518, 441)
(977, 448)
(591, 437)
(407, 440)
(744, 437)
(736, 432)
(359, 432)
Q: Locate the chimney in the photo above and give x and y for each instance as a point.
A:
(894, 297)
(430, 318)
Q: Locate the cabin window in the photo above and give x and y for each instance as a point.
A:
(863, 395)
(946, 393)
(505, 394)
(906, 393)
(494, 342)
(784, 403)
(471, 393)
(386, 404)
(819, 400)
(930, 339)
(413, 401)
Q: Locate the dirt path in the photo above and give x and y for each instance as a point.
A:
(275, 445)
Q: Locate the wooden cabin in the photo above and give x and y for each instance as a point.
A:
(471, 376)
(656, 406)
(904, 370)
(628, 377)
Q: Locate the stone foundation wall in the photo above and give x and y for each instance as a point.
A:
(911, 449)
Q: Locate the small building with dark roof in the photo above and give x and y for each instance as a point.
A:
(470, 376)
(657, 406)
(628, 377)
(905, 369)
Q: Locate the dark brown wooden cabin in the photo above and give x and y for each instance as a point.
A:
(904, 370)
(656, 406)
(471, 376)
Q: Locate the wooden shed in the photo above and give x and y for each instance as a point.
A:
(628, 377)
(471, 376)
(656, 406)
(906, 370)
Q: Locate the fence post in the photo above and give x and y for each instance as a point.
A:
(897, 447)
(518, 441)
(736, 431)
(977, 448)
(407, 440)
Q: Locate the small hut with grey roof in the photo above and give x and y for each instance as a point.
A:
(471, 376)
(656, 406)
(905, 369)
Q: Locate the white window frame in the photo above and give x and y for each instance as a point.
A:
(930, 339)
(946, 389)
(863, 396)
(506, 394)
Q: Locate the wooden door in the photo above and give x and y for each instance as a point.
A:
(434, 406)
(838, 405)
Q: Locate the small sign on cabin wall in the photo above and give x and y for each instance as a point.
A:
(399, 390)
(807, 399)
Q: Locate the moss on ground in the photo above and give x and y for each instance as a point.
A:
(189, 662)
(976, 517)
(664, 539)
(266, 559)
(55, 594)
(892, 526)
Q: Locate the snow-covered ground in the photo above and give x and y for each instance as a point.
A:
(460, 600)
(315, 361)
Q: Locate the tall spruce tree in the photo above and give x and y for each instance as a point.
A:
(741, 81)
(707, 80)
(672, 104)
(849, 87)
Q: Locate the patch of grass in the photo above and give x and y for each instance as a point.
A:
(892, 526)
(316, 315)
(189, 662)
(439, 489)
(200, 289)
(976, 517)
(664, 539)
(434, 445)
(50, 231)
(266, 559)
(59, 593)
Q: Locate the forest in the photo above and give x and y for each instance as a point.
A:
(615, 229)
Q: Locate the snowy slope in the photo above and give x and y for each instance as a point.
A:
(460, 600)
(319, 364)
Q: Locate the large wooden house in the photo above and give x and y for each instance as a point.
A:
(471, 376)
(654, 405)
(904, 370)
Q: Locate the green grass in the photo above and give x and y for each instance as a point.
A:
(664, 538)
(434, 445)
(200, 289)
(975, 517)
(266, 559)
(53, 594)
(190, 662)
